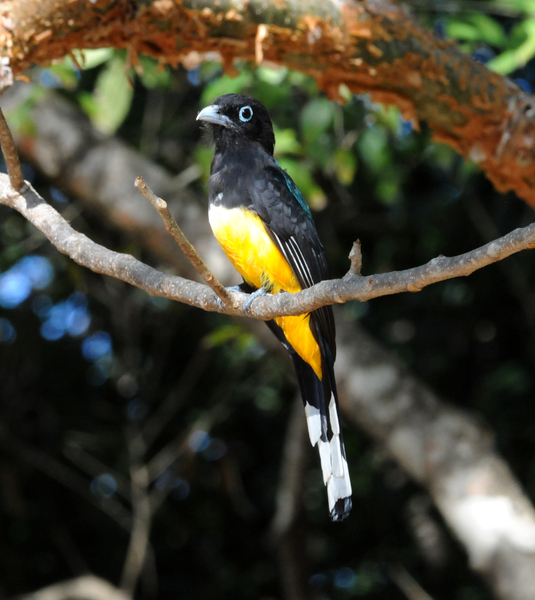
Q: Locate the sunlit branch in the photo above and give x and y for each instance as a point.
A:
(9, 151)
(355, 46)
(351, 287)
(183, 243)
(88, 587)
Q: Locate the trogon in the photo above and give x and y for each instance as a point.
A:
(265, 227)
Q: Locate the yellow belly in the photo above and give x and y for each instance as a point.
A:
(245, 241)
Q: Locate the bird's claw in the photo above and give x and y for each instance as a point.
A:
(220, 304)
(252, 297)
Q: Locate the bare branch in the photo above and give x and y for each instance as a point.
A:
(286, 535)
(355, 256)
(172, 227)
(10, 154)
(450, 453)
(6, 139)
(290, 488)
(141, 513)
(407, 584)
(372, 46)
(88, 587)
(352, 287)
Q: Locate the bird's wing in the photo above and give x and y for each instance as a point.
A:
(288, 221)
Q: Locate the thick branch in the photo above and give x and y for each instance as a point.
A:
(352, 287)
(448, 452)
(368, 45)
(87, 587)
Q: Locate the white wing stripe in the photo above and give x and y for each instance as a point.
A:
(281, 245)
(297, 260)
(298, 254)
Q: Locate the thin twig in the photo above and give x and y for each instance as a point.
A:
(141, 513)
(355, 256)
(407, 584)
(291, 482)
(170, 453)
(11, 156)
(172, 227)
(286, 534)
(6, 139)
(336, 291)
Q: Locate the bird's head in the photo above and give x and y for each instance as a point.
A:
(233, 117)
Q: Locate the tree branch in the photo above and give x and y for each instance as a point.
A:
(352, 287)
(285, 533)
(174, 230)
(450, 453)
(370, 46)
(87, 587)
(7, 143)
(141, 512)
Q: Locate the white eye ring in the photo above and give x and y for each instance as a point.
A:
(246, 113)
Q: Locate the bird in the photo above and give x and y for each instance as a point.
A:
(264, 225)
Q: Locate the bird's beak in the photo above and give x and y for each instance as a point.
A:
(211, 114)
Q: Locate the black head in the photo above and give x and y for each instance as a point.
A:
(233, 117)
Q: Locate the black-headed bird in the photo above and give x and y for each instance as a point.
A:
(265, 227)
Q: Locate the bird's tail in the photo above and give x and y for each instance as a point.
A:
(321, 408)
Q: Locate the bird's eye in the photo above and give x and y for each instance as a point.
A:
(246, 113)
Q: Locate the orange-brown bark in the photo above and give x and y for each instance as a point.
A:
(368, 45)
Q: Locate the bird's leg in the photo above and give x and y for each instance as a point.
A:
(245, 288)
(247, 304)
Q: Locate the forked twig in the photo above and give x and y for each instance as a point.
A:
(178, 235)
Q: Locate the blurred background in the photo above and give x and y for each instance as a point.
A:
(110, 397)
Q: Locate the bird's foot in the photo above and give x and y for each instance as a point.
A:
(234, 288)
(252, 297)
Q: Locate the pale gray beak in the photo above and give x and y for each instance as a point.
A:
(211, 114)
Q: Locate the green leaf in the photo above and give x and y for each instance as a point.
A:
(286, 142)
(522, 40)
(89, 59)
(68, 70)
(112, 96)
(373, 146)
(344, 164)
(316, 118)
(154, 74)
(68, 76)
(388, 188)
(226, 85)
(272, 76)
(476, 27)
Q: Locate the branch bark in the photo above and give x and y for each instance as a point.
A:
(352, 287)
(87, 587)
(370, 46)
(450, 453)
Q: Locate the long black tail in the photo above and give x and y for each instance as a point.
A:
(321, 407)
